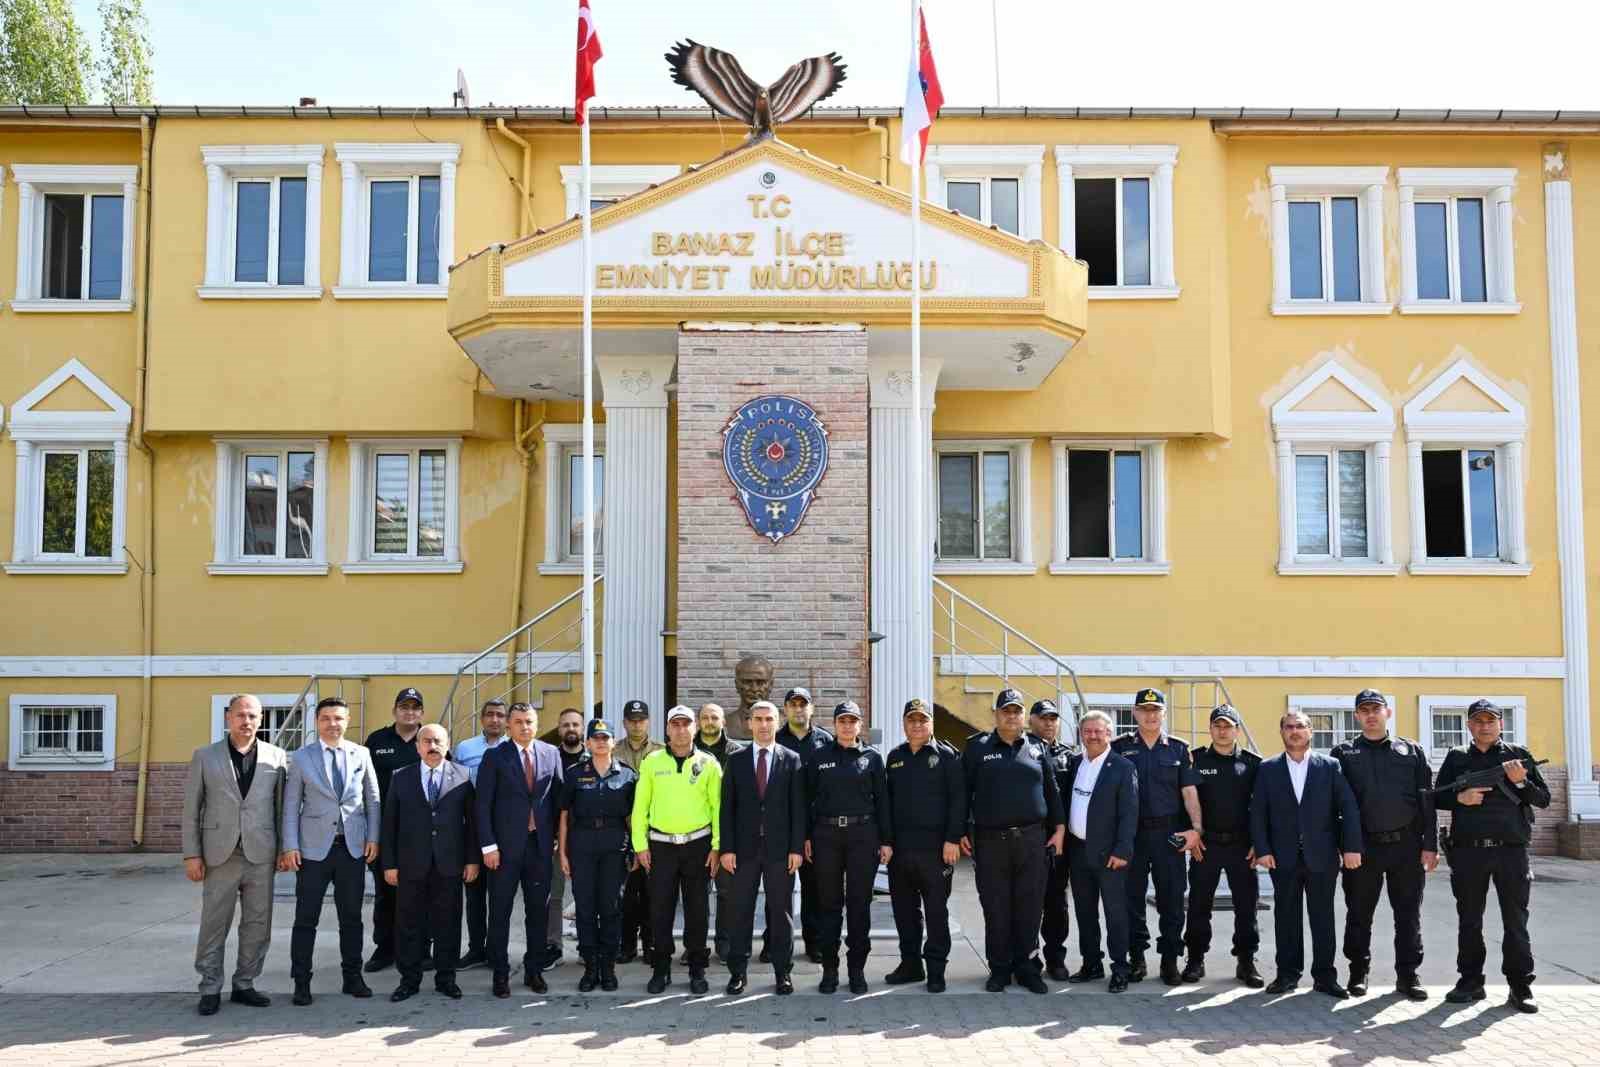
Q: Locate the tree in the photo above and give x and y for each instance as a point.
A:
(124, 65)
(44, 57)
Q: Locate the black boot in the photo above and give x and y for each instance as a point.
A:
(1194, 969)
(1521, 999)
(591, 975)
(936, 976)
(858, 980)
(1409, 987)
(1136, 967)
(1357, 986)
(1169, 971)
(1089, 972)
(608, 975)
(908, 971)
(661, 978)
(697, 979)
(830, 978)
(1247, 973)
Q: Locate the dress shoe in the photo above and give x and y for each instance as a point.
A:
(996, 982)
(552, 956)
(697, 981)
(534, 980)
(1058, 972)
(1357, 986)
(766, 954)
(1284, 983)
(858, 981)
(737, 983)
(1247, 974)
(1194, 969)
(1409, 987)
(379, 961)
(356, 987)
(591, 977)
(1089, 972)
(909, 971)
(1136, 968)
(449, 989)
(502, 986)
(404, 991)
(427, 962)
(475, 957)
(1029, 979)
(1118, 983)
(936, 977)
(830, 979)
(210, 1003)
(1332, 988)
(1169, 971)
(1466, 992)
(785, 984)
(250, 997)
(608, 976)
(302, 994)
(660, 979)
(1521, 998)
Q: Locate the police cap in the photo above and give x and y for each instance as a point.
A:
(1045, 707)
(1485, 707)
(1371, 696)
(406, 694)
(799, 692)
(848, 709)
(1007, 697)
(1226, 713)
(917, 706)
(599, 728)
(636, 709)
(1150, 696)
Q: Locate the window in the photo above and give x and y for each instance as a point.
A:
(1116, 216)
(980, 490)
(75, 239)
(58, 732)
(1456, 243)
(279, 724)
(1109, 507)
(403, 514)
(609, 183)
(1327, 240)
(1442, 722)
(271, 508)
(1113, 704)
(1331, 504)
(1461, 514)
(563, 467)
(999, 185)
(263, 221)
(72, 474)
(398, 235)
(1333, 719)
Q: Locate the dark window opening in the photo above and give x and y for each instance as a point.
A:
(1088, 504)
(1444, 520)
(1096, 213)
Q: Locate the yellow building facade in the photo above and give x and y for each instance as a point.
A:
(1269, 407)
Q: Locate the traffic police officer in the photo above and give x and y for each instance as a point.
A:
(1227, 777)
(1168, 804)
(1488, 842)
(1045, 720)
(392, 747)
(630, 750)
(1018, 827)
(928, 803)
(851, 833)
(800, 735)
(1400, 838)
(596, 802)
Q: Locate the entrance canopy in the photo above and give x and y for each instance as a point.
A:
(769, 233)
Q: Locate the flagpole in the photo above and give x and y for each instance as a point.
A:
(922, 591)
(588, 432)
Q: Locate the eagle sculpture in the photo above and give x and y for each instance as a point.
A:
(723, 84)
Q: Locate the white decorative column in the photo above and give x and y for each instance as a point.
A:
(447, 219)
(1384, 548)
(1419, 525)
(1286, 526)
(1408, 244)
(1032, 201)
(313, 276)
(1280, 245)
(1505, 269)
(1066, 209)
(25, 254)
(635, 492)
(216, 222)
(350, 221)
(1376, 289)
(1161, 228)
(21, 536)
(130, 196)
(1583, 791)
(902, 663)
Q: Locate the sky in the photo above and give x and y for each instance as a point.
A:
(1154, 53)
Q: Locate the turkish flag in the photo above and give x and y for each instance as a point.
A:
(924, 98)
(588, 55)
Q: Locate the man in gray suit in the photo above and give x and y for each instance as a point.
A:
(331, 827)
(232, 806)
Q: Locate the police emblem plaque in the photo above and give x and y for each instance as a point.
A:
(775, 450)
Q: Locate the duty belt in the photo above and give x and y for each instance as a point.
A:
(1006, 831)
(599, 822)
(680, 839)
(843, 820)
(1225, 837)
(1389, 837)
(1485, 842)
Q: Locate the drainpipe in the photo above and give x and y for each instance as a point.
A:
(147, 570)
(519, 440)
(882, 130)
(526, 188)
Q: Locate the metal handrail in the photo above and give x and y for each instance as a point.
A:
(294, 722)
(1227, 698)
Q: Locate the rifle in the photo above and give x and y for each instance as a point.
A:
(1488, 778)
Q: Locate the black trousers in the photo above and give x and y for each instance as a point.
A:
(348, 876)
(919, 889)
(756, 872)
(636, 911)
(809, 903)
(680, 871)
(1155, 860)
(530, 874)
(1400, 864)
(477, 911)
(722, 886)
(1472, 870)
(1204, 876)
(1096, 887)
(846, 858)
(1010, 870)
(1057, 925)
(1295, 894)
(427, 908)
(385, 898)
(598, 874)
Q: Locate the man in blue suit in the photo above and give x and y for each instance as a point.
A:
(1303, 815)
(518, 785)
(1102, 821)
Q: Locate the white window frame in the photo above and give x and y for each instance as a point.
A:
(34, 182)
(612, 181)
(227, 166)
(1298, 432)
(1366, 185)
(1153, 161)
(563, 441)
(1504, 431)
(1021, 559)
(36, 432)
(1341, 704)
(219, 712)
(1514, 728)
(1154, 519)
(107, 760)
(359, 558)
(1113, 704)
(980, 162)
(360, 164)
(228, 511)
(1495, 188)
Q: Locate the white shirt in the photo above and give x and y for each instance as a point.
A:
(1297, 773)
(328, 763)
(1082, 791)
(755, 755)
(436, 772)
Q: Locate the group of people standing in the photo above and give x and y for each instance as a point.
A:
(636, 826)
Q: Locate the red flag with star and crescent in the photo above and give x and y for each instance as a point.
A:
(588, 55)
(924, 98)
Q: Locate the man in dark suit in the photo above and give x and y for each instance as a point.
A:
(763, 835)
(429, 847)
(518, 784)
(1102, 820)
(1303, 815)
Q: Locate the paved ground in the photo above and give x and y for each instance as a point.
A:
(120, 929)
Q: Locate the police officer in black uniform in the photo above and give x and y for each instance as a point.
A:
(1400, 839)
(928, 801)
(392, 747)
(1227, 777)
(799, 734)
(1018, 828)
(1168, 804)
(851, 833)
(1488, 842)
(1044, 718)
(596, 801)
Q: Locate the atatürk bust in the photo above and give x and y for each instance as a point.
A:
(752, 677)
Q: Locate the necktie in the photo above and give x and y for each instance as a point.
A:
(527, 773)
(433, 788)
(338, 773)
(761, 774)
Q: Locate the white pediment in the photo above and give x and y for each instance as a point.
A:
(1463, 403)
(1332, 404)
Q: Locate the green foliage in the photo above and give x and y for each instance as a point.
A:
(44, 57)
(124, 64)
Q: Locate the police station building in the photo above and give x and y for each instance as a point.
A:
(1265, 406)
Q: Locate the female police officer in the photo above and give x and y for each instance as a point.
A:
(850, 835)
(596, 801)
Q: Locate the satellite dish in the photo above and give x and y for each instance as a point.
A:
(460, 97)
